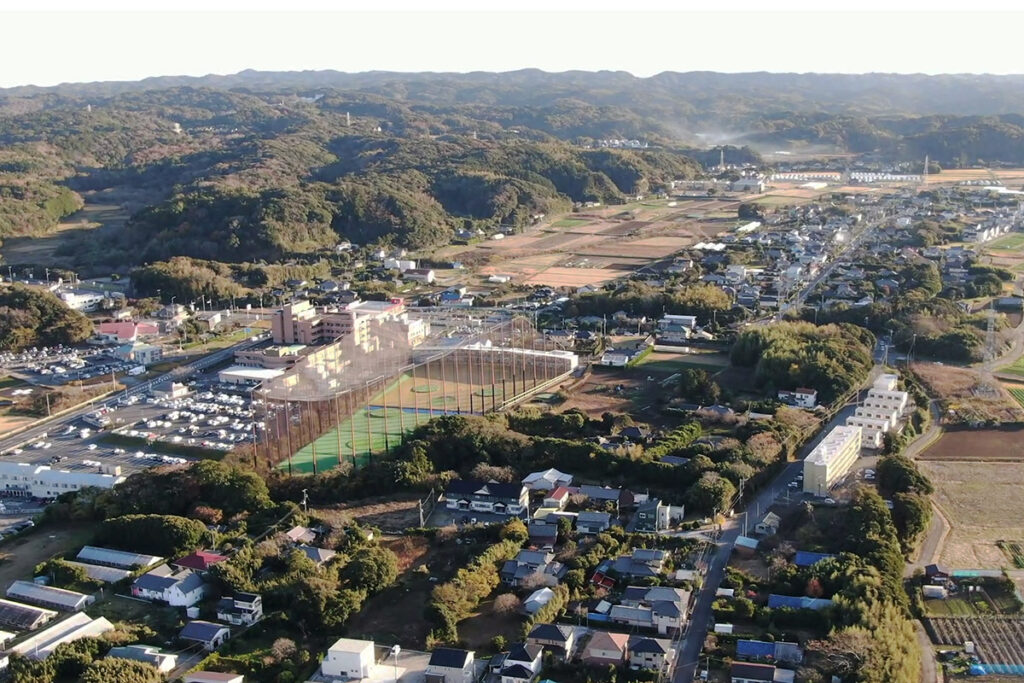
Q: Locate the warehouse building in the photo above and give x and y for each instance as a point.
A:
(23, 617)
(831, 459)
(102, 574)
(48, 596)
(80, 625)
(116, 558)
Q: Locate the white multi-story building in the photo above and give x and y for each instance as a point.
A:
(831, 459)
(40, 481)
(880, 412)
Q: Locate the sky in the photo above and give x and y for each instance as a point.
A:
(46, 42)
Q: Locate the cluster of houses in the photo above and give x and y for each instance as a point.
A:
(352, 659)
(599, 507)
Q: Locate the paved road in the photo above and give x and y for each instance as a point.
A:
(178, 373)
(690, 645)
(929, 671)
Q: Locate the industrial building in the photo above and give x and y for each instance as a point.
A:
(48, 596)
(831, 459)
(40, 481)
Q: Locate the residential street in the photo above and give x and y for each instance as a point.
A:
(690, 645)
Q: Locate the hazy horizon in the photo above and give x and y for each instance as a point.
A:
(50, 48)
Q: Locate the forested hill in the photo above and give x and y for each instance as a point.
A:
(234, 176)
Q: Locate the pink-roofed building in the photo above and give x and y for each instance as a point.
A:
(125, 331)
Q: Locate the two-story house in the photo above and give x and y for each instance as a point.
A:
(449, 665)
(241, 609)
(178, 588)
(493, 497)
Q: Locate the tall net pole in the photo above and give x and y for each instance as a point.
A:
(337, 423)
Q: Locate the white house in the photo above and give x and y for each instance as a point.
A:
(348, 658)
(424, 275)
(450, 665)
(547, 480)
(522, 663)
(181, 588)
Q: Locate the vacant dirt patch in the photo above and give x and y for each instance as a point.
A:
(19, 556)
(982, 502)
(995, 444)
(966, 396)
(391, 512)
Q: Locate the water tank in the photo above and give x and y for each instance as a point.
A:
(192, 612)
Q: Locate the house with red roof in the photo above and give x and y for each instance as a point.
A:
(200, 560)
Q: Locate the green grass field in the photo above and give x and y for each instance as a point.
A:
(1016, 369)
(951, 607)
(374, 429)
(570, 222)
(1013, 241)
(664, 363)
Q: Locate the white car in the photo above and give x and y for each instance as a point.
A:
(92, 447)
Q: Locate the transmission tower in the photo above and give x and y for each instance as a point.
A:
(990, 333)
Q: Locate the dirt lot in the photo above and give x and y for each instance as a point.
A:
(390, 512)
(597, 395)
(19, 556)
(967, 395)
(1003, 444)
(982, 502)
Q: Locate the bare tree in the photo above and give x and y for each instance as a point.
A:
(506, 603)
(283, 648)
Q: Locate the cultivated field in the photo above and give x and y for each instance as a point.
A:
(999, 641)
(605, 244)
(995, 444)
(983, 504)
(965, 396)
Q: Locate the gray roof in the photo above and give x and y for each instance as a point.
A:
(201, 630)
(653, 645)
(117, 558)
(588, 517)
(48, 596)
(318, 555)
(185, 579)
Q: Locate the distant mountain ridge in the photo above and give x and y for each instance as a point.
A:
(684, 94)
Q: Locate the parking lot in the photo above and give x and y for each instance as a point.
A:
(210, 415)
(58, 365)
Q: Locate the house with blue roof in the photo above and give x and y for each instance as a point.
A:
(807, 559)
(797, 602)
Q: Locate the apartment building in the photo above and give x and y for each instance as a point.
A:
(831, 459)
